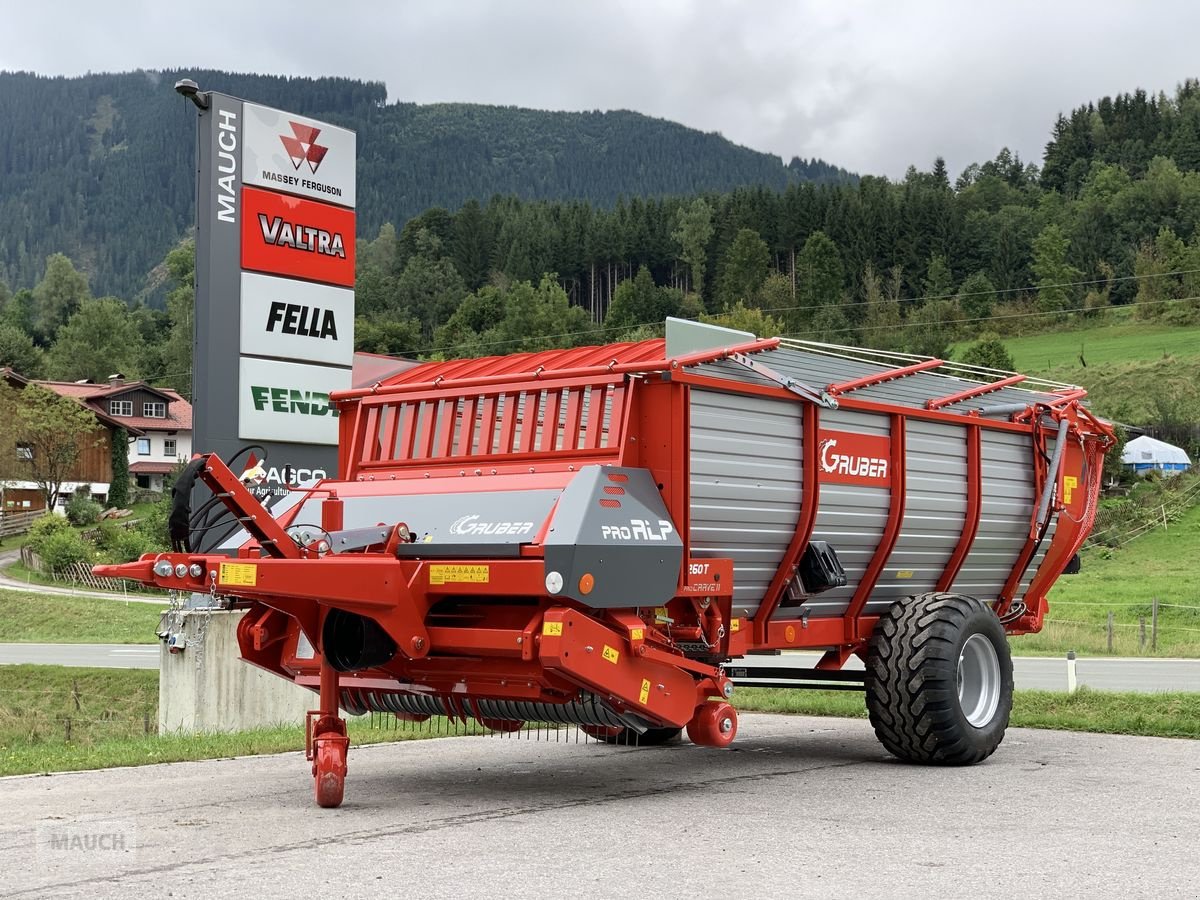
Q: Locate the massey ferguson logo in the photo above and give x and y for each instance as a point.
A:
(302, 146)
(854, 464)
(281, 233)
(472, 525)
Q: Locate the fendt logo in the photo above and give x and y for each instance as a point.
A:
(292, 402)
(471, 525)
(302, 146)
(849, 458)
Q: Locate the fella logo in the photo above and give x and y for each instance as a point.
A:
(297, 238)
(844, 457)
(302, 147)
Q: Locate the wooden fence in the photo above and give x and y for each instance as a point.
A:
(18, 522)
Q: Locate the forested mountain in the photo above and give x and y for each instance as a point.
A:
(100, 167)
(1128, 130)
(914, 265)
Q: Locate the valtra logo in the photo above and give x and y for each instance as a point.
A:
(302, 146)
(844, 457)
(297, 238)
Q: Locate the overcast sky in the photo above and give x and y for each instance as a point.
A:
(873, 87)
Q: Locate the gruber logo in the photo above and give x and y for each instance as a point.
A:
(302, 146)
(472, 525)
(848, 458)
(297, 238)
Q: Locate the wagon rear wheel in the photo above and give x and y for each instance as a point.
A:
(939, 680)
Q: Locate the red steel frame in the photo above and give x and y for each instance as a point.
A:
(530, 427)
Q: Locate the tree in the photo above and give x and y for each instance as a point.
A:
(118, 491)
(930, 329)
(515, 319)
(831, 326)
(99, 340)
(472, 245)
(429, 288)
(18, 311)
(18, 352)
(881, 322)
(1053, 272)
(392, 337)
(43, 437)
(744, 268)
(638, 301)
(939, 283)
(976, 295)
(819, 278)
(692, 233)
(181, 314)
(58, 295)
(744, 318)
(989, 352)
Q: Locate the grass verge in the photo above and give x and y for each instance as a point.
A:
(50, 618)
(1153, 715)
(55, 719)
(1125, 581)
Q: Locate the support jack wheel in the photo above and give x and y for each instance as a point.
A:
(330, 746)
(714, 725)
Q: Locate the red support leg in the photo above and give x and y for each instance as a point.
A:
(329, 742)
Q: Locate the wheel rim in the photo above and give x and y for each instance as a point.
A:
(978, 680)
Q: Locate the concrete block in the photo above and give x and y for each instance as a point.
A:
(208, 687)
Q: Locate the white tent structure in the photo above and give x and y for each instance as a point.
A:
(1145, 453)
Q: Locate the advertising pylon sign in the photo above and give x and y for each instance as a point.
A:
(275, 195)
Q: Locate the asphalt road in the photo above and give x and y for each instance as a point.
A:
(7, 557)
(100, 656)
(802, 808)
(1031, 672)
(1049, 673)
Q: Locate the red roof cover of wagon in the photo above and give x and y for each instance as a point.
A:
(649, 355)
(650, 351)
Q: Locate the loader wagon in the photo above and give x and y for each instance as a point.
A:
(596, 535)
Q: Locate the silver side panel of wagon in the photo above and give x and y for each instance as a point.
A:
(935, 506)
(746, 483)
(850, 517)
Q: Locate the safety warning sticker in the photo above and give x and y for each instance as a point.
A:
(238, 574)
(459, 574)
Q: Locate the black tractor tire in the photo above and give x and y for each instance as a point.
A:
(939, 680)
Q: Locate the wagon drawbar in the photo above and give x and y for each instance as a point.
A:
(592, 535)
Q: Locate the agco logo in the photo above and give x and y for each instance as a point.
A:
(859, 464)
(470, 525)
(302, 146)
(274, 481)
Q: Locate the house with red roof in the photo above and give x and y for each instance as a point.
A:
(158, 429)
(158, 420)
